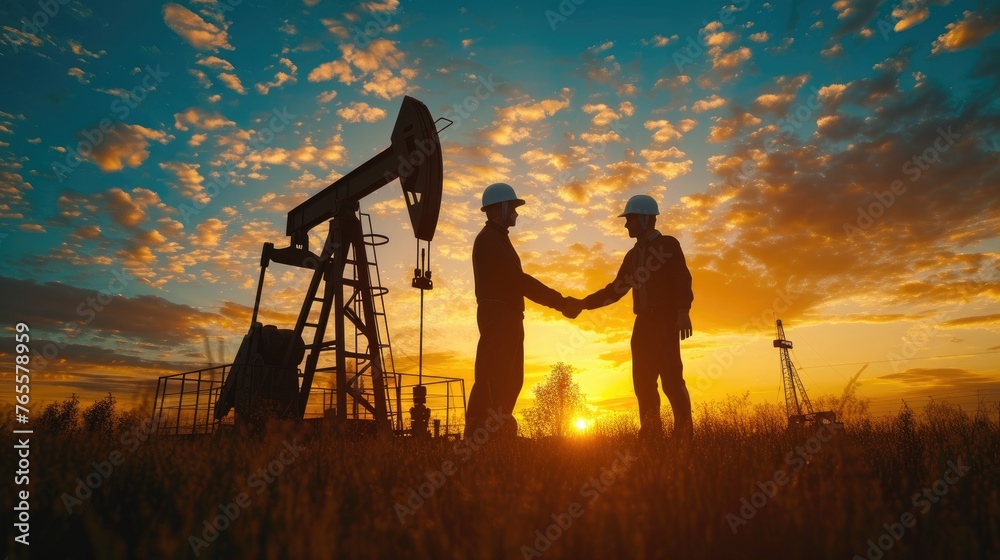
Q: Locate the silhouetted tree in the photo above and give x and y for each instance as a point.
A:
(102, 418)
(99, 418)
(558, 402)
(60, 418)
(7, 421)
(131, 419)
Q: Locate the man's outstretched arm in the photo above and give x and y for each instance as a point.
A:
(533, 289)
(611, 293)
(607, 295)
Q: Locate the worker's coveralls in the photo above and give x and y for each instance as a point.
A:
(655, 270)
(501, 286)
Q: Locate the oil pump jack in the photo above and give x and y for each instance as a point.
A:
(264, 381)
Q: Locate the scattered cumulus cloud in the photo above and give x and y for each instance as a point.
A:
(199, 33)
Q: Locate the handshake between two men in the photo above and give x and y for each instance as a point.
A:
(654, 270)
(572, 307)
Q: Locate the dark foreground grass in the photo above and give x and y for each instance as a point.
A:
(600, 496)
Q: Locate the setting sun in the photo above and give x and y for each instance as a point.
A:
(582, 424)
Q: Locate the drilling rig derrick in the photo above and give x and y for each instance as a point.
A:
(797, 406)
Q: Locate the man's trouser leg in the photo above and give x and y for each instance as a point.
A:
(673, 382)
(513, 380)
(501, 347)
(645, 371)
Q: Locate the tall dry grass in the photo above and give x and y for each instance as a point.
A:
(337, 499)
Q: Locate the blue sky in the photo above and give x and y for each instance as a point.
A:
(767, 131)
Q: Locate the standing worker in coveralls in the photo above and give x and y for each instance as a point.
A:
(655, 270)
(501, 287)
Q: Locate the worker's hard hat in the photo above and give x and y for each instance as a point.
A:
(642, 205)
(500, 192)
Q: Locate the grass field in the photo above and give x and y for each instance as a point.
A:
(749, 488)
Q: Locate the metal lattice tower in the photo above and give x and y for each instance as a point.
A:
(797, 403)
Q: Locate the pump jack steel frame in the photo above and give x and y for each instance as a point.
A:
(415, 159)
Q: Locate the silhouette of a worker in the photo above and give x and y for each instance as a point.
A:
(501, 286)
(656, 272)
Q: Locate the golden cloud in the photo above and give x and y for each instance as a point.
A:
(713, 102)
(209, 232)
(357, 112)
(190, 180)
(725, 129)
(126, 145)
(665, 131)
(378, 54)
(330, 70)
(387, 86)
(281, 78)
(232, 82)
(200, 118)
(199, 33)
(216, 63)
(968, 32)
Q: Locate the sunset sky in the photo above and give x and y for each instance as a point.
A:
(834, 164)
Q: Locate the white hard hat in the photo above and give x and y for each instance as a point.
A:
(642, 205)
(500, 192)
